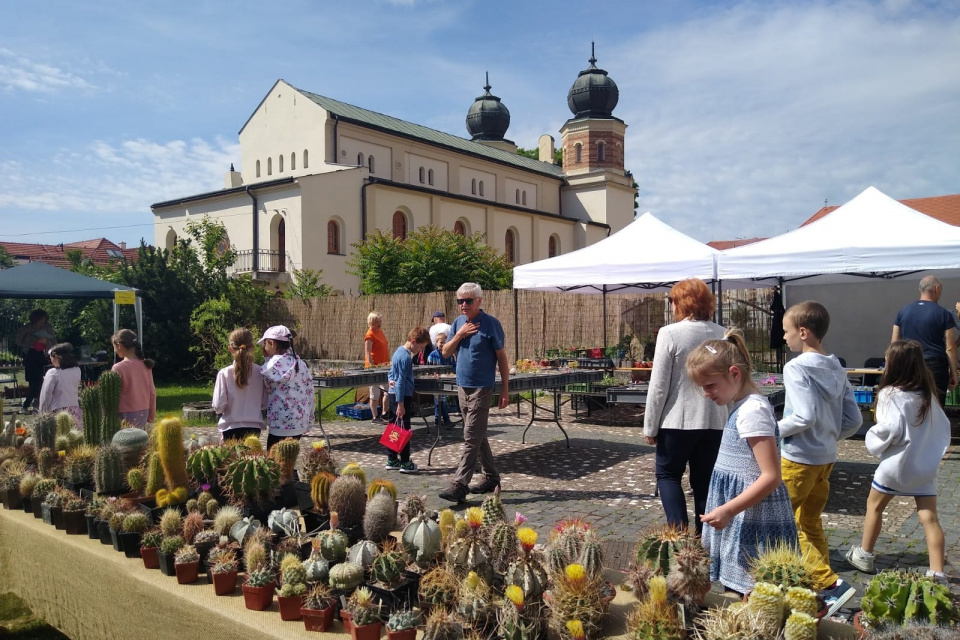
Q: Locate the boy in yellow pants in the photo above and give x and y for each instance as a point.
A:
(820, 410)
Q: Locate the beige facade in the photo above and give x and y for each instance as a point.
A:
(321, 174)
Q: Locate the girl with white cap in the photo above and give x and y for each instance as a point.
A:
(290, 401)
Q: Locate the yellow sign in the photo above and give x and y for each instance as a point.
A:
(125, 297)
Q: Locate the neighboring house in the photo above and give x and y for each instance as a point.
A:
(100, 251)
(319, 174)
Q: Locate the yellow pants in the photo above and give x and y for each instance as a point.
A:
(809, 488)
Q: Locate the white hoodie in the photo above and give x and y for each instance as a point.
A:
(909, 453)
(819, 409)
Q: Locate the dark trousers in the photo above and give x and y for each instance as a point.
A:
(676, 448)
(940, 368)
(272, 439)
(404, 455)
(34, 363)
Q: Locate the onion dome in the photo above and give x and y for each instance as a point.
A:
(488, 118)
(594, 94)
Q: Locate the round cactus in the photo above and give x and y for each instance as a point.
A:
(346, 576)
(333, 545)
(378, 485)
(316, 567)
(355, 470)
(470, 554)
(421, 539)
(387, 567)
(766, 603)
(132, 442)
(800, 600)
(253, 444)
(348, 499)
(529, 576)
(65, 423)
(204, 464)
(380, 517)
(286, 453)
(363, 554)
(136, 480)
(800, 626)
(903, 597)
(251, 478)
(320, 490)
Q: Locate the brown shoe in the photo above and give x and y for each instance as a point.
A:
(486, 485)
(455, 493)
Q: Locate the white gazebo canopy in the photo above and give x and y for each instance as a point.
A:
(645, 256)
(871, 236)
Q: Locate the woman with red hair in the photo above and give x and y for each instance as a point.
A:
(685, 426)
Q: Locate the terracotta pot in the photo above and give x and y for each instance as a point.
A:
(258, 598)
(150, 559)
(347, 619)
(822, 611)
(317, 619)
(187, 572)
(224, 583)
(289, 607)
(366, 631)
(405, 634)
(862, 632)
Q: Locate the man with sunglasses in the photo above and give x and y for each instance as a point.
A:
(477, 340)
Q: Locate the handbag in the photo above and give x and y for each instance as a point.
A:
(395, 437)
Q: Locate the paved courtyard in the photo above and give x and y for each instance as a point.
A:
(607, 477)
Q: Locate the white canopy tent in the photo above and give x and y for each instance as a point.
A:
(645, 256)
(871, 236)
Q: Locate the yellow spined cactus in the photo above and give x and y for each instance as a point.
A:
(800, 600)
(800, 626)
(576, 574)
(514, 594)
(575, 627)
(527, 537)
(253, 443)
(657, 590)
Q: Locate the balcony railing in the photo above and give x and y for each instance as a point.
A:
(267, 260)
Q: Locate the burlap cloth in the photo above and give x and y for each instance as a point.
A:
(91, 592)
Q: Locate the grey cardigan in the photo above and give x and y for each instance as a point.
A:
(674, 401)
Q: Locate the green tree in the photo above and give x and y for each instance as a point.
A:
(306, 285)
(6, 260)
(535, 155)
(430, 259)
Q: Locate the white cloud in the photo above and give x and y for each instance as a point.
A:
(742, 122)
(19, 73)
(106, 185)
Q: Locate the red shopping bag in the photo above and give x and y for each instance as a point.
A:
(395, 437)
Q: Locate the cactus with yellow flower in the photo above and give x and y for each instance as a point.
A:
(474, 605)
(518, 619)
(576, 596)
(470, 552)
(527, 572)
(654, 618)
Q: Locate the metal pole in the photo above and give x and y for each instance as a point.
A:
(720, 302)
(604, 316)
(516, 327)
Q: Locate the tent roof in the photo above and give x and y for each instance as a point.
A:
(645, 256)
(38, 280)
(872, 235)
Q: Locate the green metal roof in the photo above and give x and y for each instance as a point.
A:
(389, 124)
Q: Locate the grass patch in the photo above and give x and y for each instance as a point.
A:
(20, 623)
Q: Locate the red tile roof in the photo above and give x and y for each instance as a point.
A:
(943, 208)
(100, 250)
(723, 245)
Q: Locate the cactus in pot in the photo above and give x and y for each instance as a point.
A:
(169, 439)
(346, 576)
(132, 442)
(379, 485)
(471, 552)
(90, 408)
(286, 453)
(154, 475)
(320, 490)
(388, 566)
(898, 598)
(45, 431)
(363, 608)
(108, 469)
(800, 626)
(354, 470)
(421, 539)
(766, 602)
(380, 517)
(363, 554)
(654, 618)
(251, 478)
(333, 545)
(109, 385)
(348, 500)
(527, 572)
(317, 567)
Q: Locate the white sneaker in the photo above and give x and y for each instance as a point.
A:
(861, 559)
(938, 576)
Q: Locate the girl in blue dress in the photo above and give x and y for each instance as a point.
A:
(748, 507)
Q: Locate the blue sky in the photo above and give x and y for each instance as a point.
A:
(743, 116)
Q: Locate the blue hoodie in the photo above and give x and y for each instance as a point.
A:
(819, 410)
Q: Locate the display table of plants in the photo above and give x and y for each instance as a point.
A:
(209, 526)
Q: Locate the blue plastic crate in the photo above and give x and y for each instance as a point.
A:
(355, 411)
(863, 396)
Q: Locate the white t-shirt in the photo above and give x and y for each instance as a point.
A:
(240, 408)
(755, 417)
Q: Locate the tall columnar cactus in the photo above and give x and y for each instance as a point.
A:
(251, 478)
(348, 499)
(108, 469)
(45, 431)
(65, 423)
(591, 556)
(169, 438)
(46, 461)
(903, 597)
(154, 475)
(90, 407)
(320, 490)
(421, 539)
(503, 545)
(132, 442)
(286, 453)
(110, 385)
(493, 511)
(380, 517)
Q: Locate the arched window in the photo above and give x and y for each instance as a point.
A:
(293, 161)
(370, 164)
(280, 163)
(360, 159)
(306, 160)
(579, 148)
(171, 240)
(473, 186)
(459, 228)
(523, 198)
(333, 237)
(510, 245)
(423, 175)
(258, 168)
(430, 177)
(399, 226)
(269, 166)
(600, 153)
(553, 246)
(518, 196)
(481, 188)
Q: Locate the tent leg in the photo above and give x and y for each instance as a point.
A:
(604, 317)
(720, 302)
(516, 327)
(138, 309)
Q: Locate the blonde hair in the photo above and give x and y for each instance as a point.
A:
(373, 315)
(715, 357)
(242, 340)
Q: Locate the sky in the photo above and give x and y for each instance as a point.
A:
(743, 117)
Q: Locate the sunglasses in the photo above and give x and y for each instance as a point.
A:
(467, 301)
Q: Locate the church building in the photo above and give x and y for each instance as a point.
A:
(317, 175)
